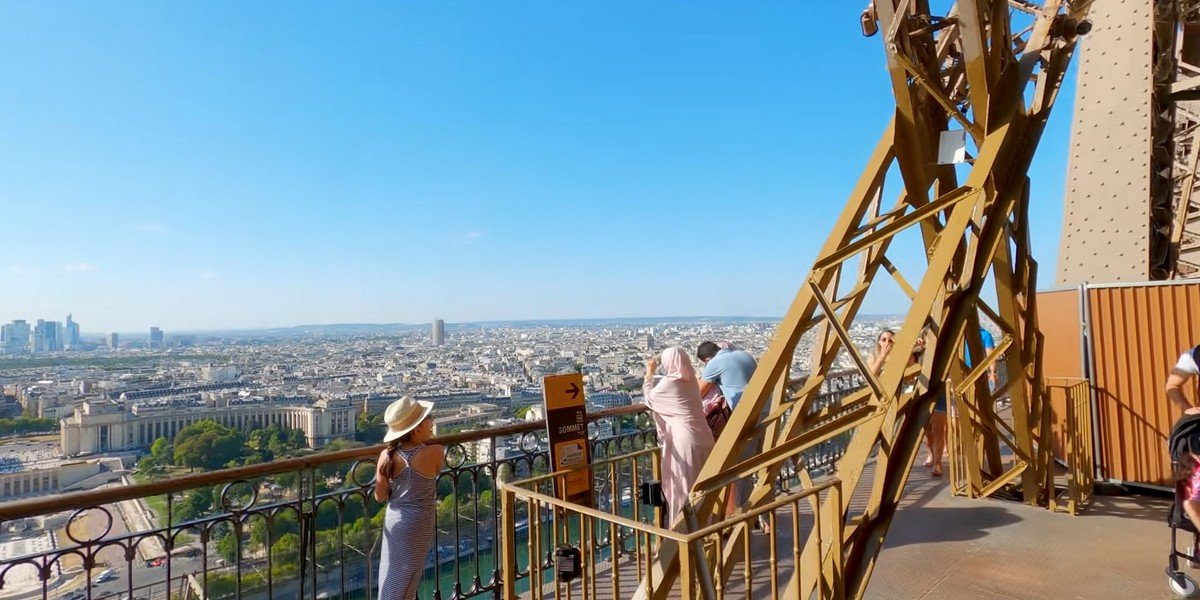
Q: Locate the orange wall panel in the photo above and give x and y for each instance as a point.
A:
(1060, 323)
(1137, 334)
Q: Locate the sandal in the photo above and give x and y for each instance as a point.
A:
(937, 471)
(929, 462)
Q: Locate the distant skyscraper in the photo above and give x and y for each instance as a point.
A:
(54, 341)
(71, 334)
(156, 337)
(439, 332)
(38, 344)
(113, 341)
(16, 337)
(45, 337)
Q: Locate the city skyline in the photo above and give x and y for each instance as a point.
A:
(401, 163)
(578, 321)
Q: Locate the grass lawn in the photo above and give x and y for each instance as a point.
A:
(156, 504)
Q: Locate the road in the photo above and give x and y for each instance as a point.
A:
(132, 573)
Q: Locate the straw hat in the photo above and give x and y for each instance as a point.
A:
(403, 416)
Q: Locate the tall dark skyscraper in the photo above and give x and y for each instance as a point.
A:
(156, 337)
(16, 337)
(439, 332)
(71, 334)
(45, 337)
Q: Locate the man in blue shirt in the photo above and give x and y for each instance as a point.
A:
(731, 369)
(726, 367)
(988, 343)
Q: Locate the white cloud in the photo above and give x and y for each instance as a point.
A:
(209, 275)
(18, 270)
(473, 235)
(79, 267)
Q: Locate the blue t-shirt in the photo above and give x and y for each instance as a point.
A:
(988, 343)
(730, 369)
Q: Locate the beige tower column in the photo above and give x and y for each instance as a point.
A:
(1129, 210)
(1106, 212)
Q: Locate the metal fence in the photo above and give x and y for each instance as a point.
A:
(298, 528)
(1077, 449)
(608, 552)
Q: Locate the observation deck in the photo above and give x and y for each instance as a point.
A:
(309, 528)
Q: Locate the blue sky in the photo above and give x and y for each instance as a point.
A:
(222, 164)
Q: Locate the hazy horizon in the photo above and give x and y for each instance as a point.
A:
(499, 322)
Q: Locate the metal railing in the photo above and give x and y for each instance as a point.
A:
(1063, 428)
(297, 528)
(1075, 443)
(305, 527)
(616, 545)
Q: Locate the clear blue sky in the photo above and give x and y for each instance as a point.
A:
(233, 164)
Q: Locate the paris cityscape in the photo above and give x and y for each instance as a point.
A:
(600, 301)
(96, 411)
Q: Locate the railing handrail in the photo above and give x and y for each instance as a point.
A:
(593, 465)
(677, 536)
(1065, 381)
(31, 507)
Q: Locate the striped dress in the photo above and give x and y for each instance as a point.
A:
(408, 527)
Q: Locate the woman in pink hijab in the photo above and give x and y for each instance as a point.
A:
(682, 430)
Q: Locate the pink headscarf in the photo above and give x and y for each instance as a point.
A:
(676, 364)
(677, 393)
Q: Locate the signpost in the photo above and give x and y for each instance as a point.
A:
(566, 424)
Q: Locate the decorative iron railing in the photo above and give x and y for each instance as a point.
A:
(304, 527)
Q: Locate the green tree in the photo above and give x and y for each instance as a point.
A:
(195, 504)
(297, 440)
(334, 468)
(290, 480)
(151, 468)
(207, 445)
(283, 524)
(257, 450)
(161, 449)
(27, 424)
(276, 441)
(446, 510)
(227, 548)
(286, 549)
(445, 486)
(369, 428)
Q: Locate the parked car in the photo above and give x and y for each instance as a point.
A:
(105, 575)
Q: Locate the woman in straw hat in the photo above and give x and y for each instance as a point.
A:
(406, 478)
